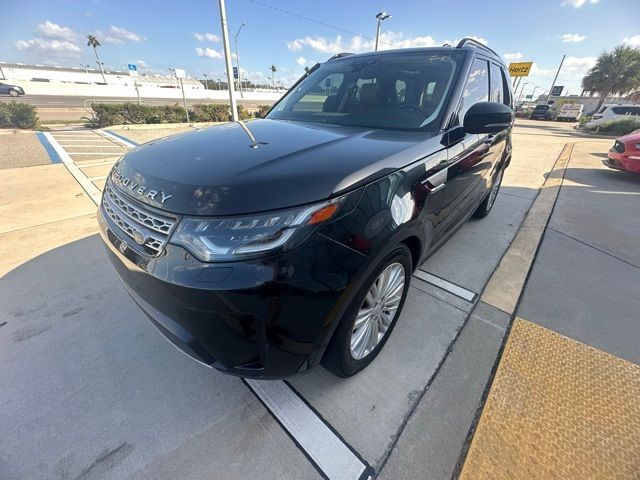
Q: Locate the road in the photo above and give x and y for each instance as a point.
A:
(89, 389)
(65, 101)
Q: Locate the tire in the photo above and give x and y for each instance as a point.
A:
(487, 204)
(340, 358)
(14, 93)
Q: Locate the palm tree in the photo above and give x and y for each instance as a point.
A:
(93, 42)
(615, 72)
(273, 75)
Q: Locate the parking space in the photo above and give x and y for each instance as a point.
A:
(105, 396)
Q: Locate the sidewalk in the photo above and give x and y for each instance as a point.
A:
(565, 401)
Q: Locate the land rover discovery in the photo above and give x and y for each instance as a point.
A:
(267, 247)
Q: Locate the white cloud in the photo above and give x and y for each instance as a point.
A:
(578, 3)
(578, 65)
(512, 56)
(209, 37)
(142, 64)
(119, 35)
(301, 61)
(632, 41)
(42, 48)
(388, 40)
(572, 37)
(208, 52)
(572, 68)
(53, 30)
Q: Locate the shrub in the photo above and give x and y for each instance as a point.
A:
(132, 113)
(618, 126)
(209, 113)
(18, 115)
(262, 111)
(243, 113)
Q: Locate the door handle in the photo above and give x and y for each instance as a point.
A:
(436, 189)
(489, 140)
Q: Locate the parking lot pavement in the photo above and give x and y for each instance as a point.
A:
(90, 390)
(584, 283)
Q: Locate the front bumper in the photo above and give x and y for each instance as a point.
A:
(267, 318)
(627, 161)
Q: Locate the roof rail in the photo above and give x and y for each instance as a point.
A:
(340, 55)
(476, 44)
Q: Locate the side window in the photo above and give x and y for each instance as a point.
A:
(476, 89)
(316, 99)
(508, 100)
(499, 89)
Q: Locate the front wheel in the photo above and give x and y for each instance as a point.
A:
(13, 93)
(371, 317)
(487, 204)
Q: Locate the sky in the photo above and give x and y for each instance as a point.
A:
(293, 34)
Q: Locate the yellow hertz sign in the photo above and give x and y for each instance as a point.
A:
(520, 69)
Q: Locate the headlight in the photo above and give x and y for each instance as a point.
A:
(232, 238)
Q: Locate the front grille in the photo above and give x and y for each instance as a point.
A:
(618, 146)
(137, 221)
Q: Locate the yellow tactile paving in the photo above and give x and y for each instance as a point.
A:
(557, 409)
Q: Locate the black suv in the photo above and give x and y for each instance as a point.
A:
(265, 248)
(542, 112)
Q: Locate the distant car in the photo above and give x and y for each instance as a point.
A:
(542, 112)
(570, 112)
(13, 90)
(625, 153)
(611, 112)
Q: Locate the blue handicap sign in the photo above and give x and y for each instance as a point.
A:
(133, 67)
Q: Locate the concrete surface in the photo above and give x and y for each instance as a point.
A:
(586, 278)
(38, 196)
(20, 148)
(90, 390)
(430, 444)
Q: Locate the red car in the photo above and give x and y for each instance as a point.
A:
(625, 153)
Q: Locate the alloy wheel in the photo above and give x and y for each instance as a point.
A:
(377, 310)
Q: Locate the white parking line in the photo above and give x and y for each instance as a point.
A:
(90, 146)
(116, 139)
(92, 153)
(326, 450)
(457, 290)
(93, 191)
(96, 164)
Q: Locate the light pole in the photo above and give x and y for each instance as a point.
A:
(554, 79)
(519, 98)
(381, 17)
(206, 81)
(86, 68)
(235, 39)
(227, 60)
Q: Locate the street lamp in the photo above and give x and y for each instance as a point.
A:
(206, 81)
(381, 17)
(86, 68)
(235, 39)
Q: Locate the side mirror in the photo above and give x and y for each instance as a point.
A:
(488, 117)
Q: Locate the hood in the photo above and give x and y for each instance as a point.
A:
(631, 137)
(263, 165)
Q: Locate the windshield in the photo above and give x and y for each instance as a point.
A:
(405, 91)
(542, 107)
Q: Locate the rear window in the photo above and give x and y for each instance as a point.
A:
(542, 107)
